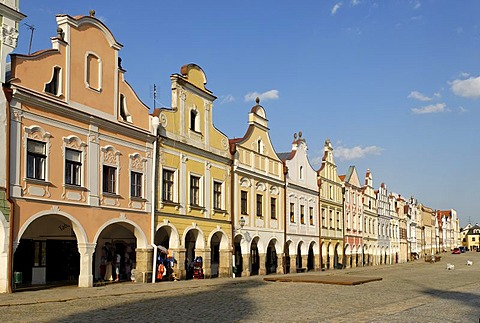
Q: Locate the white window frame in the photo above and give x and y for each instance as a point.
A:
(137, 164)
(74, 143)
(100, 70)
(37, 133)
(111, 157)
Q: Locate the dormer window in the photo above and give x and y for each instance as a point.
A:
(259, 146)
(53, 87)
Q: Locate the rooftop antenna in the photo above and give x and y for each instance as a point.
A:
(154, 95)
(32, 29)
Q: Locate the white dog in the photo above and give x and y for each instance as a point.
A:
(469, 262)
(450, 267)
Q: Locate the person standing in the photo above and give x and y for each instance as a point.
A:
(118, 259)
(108, 262)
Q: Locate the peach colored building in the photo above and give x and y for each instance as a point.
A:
(81, 156)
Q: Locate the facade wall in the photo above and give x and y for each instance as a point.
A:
(73, 167)
(370, 223)
(195, 155)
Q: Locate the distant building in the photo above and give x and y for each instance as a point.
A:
(370, 221)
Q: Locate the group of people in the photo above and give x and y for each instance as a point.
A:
(165, 262)
(117, 262)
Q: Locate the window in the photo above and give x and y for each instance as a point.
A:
(167, 189)
(301, 172)
(331, 191)
(217, 195)
(124, 114)
(135, 184)
(53, 86)
(40, 254)
(331, 218)
(324, 220)
(273, 208)
(36, 159)
(302, 214)
(94, 72)
(73, 167)
(259, 204)
(194, 190)
(109, 179)
(259, 146)
(193, 120)
(338, 221)
(311, 215)
(243, 203)
(292, 212)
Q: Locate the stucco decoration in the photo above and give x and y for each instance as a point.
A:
(163, 119)
(9, 35)
(245, 182)
(261, 187)
(274, 190)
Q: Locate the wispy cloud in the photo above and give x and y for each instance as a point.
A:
(418, 96)
(433, 108)
(355, 2)
(269, 95)
(469, 88)
(227, 99)
(357, 152)
(335, 8)
(416, 4)
(462, 110)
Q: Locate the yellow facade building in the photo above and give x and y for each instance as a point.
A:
(193, 208)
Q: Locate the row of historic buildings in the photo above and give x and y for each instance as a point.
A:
(85, 164)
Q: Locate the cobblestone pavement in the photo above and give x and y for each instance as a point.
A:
(411, 292)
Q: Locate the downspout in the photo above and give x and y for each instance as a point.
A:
(285, 171)
(155, 123)
(8, 96)
(319, 184)
(232, 150)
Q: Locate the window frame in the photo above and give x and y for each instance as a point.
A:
(77, 168)
(109, 184)
(273, 208)
(217, 195)
(170, 183)
(195, 197)
(35, 161)
(136, 184)
(259, 205)
(243, 202)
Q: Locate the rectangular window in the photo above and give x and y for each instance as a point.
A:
(194, 190)
(135, 184)
(36, 159)
(217, 195)
(292, 212)
(273, 208)
(167, 185)
(244, 204)
(40, 254)
(311, 215)
(324, 220)
(73, 167)
(302, 214)
(109, 179)
(338, 221)
(259, 204)
(331, 218)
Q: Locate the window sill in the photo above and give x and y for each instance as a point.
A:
(75, 187)
(138, 199)
(196, 207)
(111, 195)
(37, 181)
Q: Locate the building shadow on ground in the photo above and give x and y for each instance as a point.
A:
(224, 302)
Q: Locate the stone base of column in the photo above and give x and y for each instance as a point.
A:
(263, 269)
(144, 265)
(279, 264)
(246, 265)
(225, 266)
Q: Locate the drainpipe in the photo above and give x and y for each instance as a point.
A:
(319, 184)
(285, 171)
(233, 149)
(155, 123)
(8, 96)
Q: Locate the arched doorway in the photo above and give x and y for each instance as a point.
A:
(328, 256)
(254, 258)
(48, 252)
(190, 243)
(220, 254)
(271, 258)
(299, 256)
(311, 257)
(115, 253)
(238, 256)
(336, 257)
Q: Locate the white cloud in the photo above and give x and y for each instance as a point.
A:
(418, 96)
(416, 4)
(335, 8)
(463, 110)
(227, 99)
(469, 88)
(464, 75)
(433, 108)
(437, 95)
(355, 2)
(269, 95)
(358, 152)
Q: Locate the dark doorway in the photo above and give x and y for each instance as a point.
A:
(271, 261)
(311, 258)
(254, 259)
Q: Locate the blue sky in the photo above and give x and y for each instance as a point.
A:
(394, 84)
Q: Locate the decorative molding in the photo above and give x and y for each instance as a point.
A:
(9, 36)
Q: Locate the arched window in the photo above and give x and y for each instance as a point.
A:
(124, 114)
(259, 146)
(194, 120)
(301, 172)
(54, 86)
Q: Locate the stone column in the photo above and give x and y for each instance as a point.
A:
(246, 264)
(144, 264)
(179, 266)
(225, 265)
(293, 264)
(279, 264)
(86, 250)
(263, 269)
